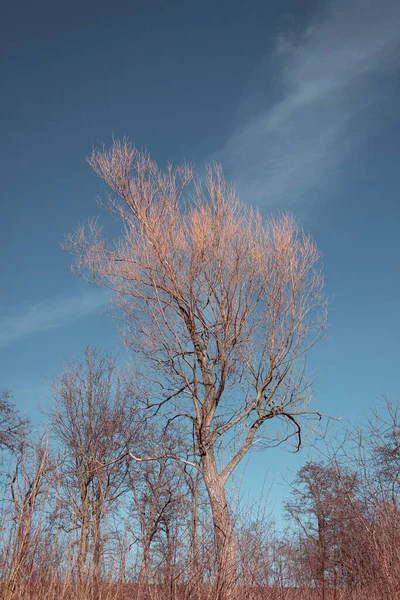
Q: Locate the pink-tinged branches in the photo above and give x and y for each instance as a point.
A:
(219, 306)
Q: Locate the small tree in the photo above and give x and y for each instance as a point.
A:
(157, 499)
(27, 484)
(383, 440)
(374, 454)
(323, 503)
(220, 306)
(13, 427)
(93, 421)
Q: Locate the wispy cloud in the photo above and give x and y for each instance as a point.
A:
(48, 314)
(328, 76)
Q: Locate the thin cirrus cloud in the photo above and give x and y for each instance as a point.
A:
(49, 314)
(328, 77)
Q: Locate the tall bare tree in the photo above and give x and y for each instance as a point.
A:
(220, 306)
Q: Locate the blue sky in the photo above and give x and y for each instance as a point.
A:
(298, 100)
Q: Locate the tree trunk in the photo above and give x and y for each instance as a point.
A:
(322, 552)
(145, 567)
(195, 537)
(223, 527)
(168, 575)
(122, 561)
(82, 549)
(97, 542)
(97, 552)
(21, 548)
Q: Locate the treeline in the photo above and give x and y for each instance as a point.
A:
(105, 504)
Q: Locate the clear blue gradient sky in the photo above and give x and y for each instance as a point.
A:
(298, 100)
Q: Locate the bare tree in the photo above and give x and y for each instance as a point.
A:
(26, 486)
(92, 419)
(323, 505)
(383, 440)
(220, 306)
(13, 427)
(373, 545)
(154, 496)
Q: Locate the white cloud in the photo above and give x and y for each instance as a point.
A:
(49, 314)
(327, 77)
